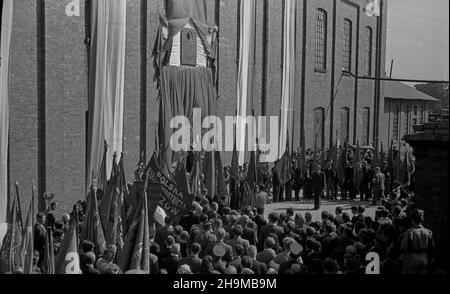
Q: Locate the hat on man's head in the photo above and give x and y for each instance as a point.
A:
(296, 249)
(219, 251)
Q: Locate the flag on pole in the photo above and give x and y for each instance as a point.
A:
(209, 170)
(342, 163)
(10, 252)
(283, 166)
(68, 260)
(357, 171)
(252, 172)
(92, 230)
(102, 177)
(180, 174)
(136, 251)
(28, 238)
(234, 171)
(49, 254)
(116, 217)
(220, 177)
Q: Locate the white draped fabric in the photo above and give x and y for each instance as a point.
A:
(245, 72)
(106, 83)
(288, 81)
(6, 30)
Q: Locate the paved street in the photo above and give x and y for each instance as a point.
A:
(327, 205)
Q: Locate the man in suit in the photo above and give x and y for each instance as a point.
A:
(164, 232)
(171, 263)
(260, 198)
(318, 184)
(378, 186)
(40, 232)
(194, 262)
(270, 228)
(237, 239)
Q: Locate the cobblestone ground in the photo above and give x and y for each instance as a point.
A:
(327, 205)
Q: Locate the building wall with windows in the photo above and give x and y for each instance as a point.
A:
(49, 76)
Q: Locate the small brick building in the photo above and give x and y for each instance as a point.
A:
(430, 143)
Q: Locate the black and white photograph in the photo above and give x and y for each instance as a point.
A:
(192, 138)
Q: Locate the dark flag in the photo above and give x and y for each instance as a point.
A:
(209, 170)
(234, 171)
(252, 172)
(49, 254)
(180, 175)
(102, 183)
(315, 163)
(283, 166)
(195, 182)
(220, 177)
(28, 239)
(166, 194)
(341, 164)
(92, 230)
(10, 252)
(68, 260)
(357, 171)
(136, 251)
(117, 216)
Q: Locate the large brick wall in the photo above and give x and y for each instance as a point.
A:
(431, 194)
(61, 94)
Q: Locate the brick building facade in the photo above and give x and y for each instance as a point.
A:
(49, 81)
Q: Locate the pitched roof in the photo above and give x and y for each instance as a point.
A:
(398, 90)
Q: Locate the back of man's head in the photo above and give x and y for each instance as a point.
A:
(220, 234)
(252, 251)
(195, 248)
(273, 217)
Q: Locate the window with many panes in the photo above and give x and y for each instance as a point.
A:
(368, 52)
(345, 125)
(347, 45)
(321, 40)
(319, 127)
(366, 126)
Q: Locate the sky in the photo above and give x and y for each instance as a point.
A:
(418, 39)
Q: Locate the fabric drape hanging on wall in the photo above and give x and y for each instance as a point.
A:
(106, 83)
(6, 30)
(245, 72)
(288, 81)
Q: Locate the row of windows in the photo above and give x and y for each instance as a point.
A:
(347, 42)
(417, 119)
(344, 126)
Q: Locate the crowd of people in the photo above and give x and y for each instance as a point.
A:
(215, 239)
(236, 235)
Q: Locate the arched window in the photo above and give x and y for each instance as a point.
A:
(321, 40)
(319, 127)
(368, 52)
(347, 45)
(366, 126)
(345, 124)
(395, 123)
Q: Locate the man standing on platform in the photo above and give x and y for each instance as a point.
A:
(275, 185)
(378, 186)
(260, 198)
(318, 184)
